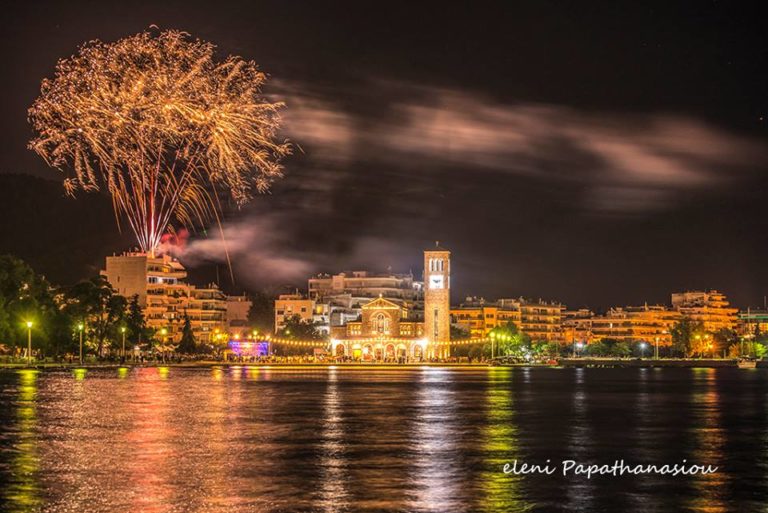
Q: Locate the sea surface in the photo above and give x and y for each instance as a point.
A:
(410, 439)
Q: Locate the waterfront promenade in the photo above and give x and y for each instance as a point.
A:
(562, 363)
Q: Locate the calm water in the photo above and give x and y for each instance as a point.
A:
(250, 439)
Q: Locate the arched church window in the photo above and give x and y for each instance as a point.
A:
(381, 324)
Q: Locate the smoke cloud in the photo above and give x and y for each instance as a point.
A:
(369, 161)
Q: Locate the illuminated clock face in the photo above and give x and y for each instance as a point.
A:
(435, 282)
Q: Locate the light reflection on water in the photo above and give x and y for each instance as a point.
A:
(501, 492)
(23, 493)
(333, 439)
(435, 435)
(709, 440)
(334, 495)
(580, 491)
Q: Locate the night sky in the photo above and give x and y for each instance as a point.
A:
(595, 155)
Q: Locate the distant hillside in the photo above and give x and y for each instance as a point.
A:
(65, 239)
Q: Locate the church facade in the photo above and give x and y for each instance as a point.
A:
(390, 329)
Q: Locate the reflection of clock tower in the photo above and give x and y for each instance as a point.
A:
(437, 305)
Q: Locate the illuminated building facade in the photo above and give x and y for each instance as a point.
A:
(650, 324)
(292, 305)
(477, 320)
(365, 284)
(165, 297)
(238, 309)
(752, 322)
(577, 326)
(386, 331)
(307, 310)
(708, 307)
(540, 320)
(394, 329)
(479, 317)
(437, 298)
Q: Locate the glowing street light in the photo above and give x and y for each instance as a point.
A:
(80, 328)
(642, 349)
(122, 330)
(163, 332)
(29, 342)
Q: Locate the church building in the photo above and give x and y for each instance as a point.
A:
(392, 329)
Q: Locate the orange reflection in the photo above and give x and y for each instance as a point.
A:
(709, 436)
(151, 434)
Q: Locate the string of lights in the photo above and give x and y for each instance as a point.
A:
(321, 343)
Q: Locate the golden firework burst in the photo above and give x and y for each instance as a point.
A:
(162, 126)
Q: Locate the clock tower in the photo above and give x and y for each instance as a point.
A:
(437, 299)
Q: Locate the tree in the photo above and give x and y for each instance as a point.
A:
(549, 349)
(188, 345)
(615, 347)
(26, 296)
(296, 329)
(459, 333)
(723, 339)
(702, 344)
(136, 323)
(509, 340)
(476, 351)
(262, 313)
(597, 349)
(104, 310)
(684, 336)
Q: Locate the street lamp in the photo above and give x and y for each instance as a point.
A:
(122, 329)
(80, 328)
(577, 347)
(163, 332)
(657, 348)
(493, 339)
(642, 349)
(29, 342)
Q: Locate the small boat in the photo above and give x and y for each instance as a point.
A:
(746, 364)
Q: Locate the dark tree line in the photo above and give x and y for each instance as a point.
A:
(59, 314)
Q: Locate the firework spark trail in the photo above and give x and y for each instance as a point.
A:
(160, 125)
